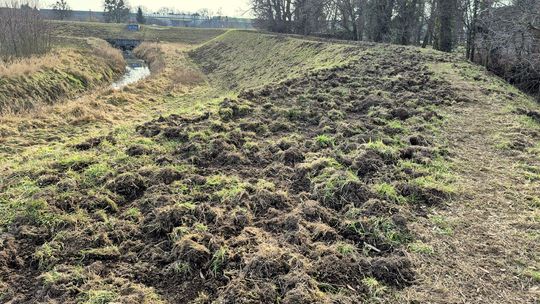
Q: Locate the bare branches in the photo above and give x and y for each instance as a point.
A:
(508, 43)
(23, 32)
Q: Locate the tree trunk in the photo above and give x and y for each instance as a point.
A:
(431, 24)
(471, 41)
(446, 12)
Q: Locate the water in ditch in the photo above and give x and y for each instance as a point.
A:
(136, 70)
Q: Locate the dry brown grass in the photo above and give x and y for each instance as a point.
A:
(31, 65)
(153, 54)
(104, 50)
(188, 77)
(487, 237)
(59, 57)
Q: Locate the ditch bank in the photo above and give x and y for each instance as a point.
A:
(63, 73)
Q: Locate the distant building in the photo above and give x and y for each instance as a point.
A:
(133, 27)
(180, 20)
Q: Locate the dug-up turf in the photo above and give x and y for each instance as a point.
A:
(298, 192)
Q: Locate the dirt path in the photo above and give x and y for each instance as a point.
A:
(486, 239)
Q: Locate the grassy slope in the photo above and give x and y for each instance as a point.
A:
(63, 74)
(148, 32)
(195, 202)
(243, 59)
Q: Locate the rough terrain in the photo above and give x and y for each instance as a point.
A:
(330, 174)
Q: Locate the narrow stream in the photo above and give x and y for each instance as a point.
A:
(136, 70)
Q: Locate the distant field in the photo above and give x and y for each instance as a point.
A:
(152, 33)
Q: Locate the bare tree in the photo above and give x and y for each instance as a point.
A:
(23, 32)
(380, 18)
(61, 9)
(116, 11)
(406, 20)
(508, 43)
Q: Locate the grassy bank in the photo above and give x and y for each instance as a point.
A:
(244, 59)
(148, 32)
(64, 73)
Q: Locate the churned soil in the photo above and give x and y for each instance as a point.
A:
(296, 192)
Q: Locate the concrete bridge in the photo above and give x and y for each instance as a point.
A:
(124, 44)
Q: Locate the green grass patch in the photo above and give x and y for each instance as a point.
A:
(380, 147)
(99, 297)
(324, 141)
(218, 260)
(533, 274)
(226, 188)
(388, 192)
(244, 59)
(441, 225)
(421, 247)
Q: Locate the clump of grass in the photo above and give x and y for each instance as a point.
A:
(375, 288)
(336, 114)
(96, 173)
(99, 297)
(388, 191)
(48, 254)
(434, 175)
(330, 182)
(534, 202)
(226, 188)
(431, 182)
(317, 164)
(200, 227)
(73, 274)
(345, 249)
(251, 146)
(218, 260)
(442, 226)
(133, 214)
(266, 185)
(381, 230)
(76, 161)
(396, 126)
(180, 268)
(226, 113)
(532, 173)
(421, 247)
(178, 233)
(324, 141)
(104, 252)
(380, 147)
(35, 212)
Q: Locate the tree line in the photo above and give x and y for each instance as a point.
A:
(503, 35)
(393, 21)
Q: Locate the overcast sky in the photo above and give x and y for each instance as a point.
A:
(229, 7)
